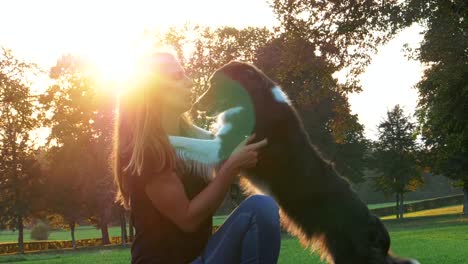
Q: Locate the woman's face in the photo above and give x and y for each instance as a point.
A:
(175, 89)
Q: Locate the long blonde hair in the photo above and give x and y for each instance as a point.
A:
(139, 134)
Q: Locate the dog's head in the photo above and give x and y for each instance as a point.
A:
(236, 84)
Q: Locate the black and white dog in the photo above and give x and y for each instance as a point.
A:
(317, 204)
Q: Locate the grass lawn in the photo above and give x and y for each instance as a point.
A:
(83, 232)
(429, 236)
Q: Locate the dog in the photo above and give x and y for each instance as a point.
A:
(317, 205)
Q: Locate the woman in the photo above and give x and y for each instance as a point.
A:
(173, 225)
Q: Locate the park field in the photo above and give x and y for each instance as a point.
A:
(433, 237)
(84, 232)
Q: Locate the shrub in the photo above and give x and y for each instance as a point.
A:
(40, 231)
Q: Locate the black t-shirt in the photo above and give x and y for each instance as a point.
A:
(157, 239)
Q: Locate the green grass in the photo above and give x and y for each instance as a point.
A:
(219, 219)
(83, 232)
(430, 238)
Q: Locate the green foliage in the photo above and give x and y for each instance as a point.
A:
(20, 174)
(40, 231)
(395, 156)
(79, 144)
(345, 33)
(443, 90)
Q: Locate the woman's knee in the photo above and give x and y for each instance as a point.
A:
(263, 207)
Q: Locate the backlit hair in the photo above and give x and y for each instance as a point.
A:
(138, 130)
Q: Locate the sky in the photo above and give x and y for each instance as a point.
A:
(109, 31)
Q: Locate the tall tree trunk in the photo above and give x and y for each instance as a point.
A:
(105, 234)
(17, 196)
(103, 223)
(123, 226)
(20, 235)
(402, 206)
(397, 207)
(72, 232)
(465, 200)
(130, 228)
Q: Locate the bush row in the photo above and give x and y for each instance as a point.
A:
(12, 247)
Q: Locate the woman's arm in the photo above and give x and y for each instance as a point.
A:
(166, 191)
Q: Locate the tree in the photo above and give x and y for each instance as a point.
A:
(395, 157)
(20, 176)
(348, 32)
(65, 182)
(345, 33)
(78, 129)
(443, 91)
(101, 186)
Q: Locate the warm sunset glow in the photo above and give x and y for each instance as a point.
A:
(111, 34)
(116, 65)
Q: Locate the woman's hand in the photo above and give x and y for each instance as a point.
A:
(245, 155)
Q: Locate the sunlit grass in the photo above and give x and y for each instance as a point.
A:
(449, 210)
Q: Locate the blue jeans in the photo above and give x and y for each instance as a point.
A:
(251, 234)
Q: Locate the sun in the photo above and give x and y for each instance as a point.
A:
(111, 37)
(114, 62)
